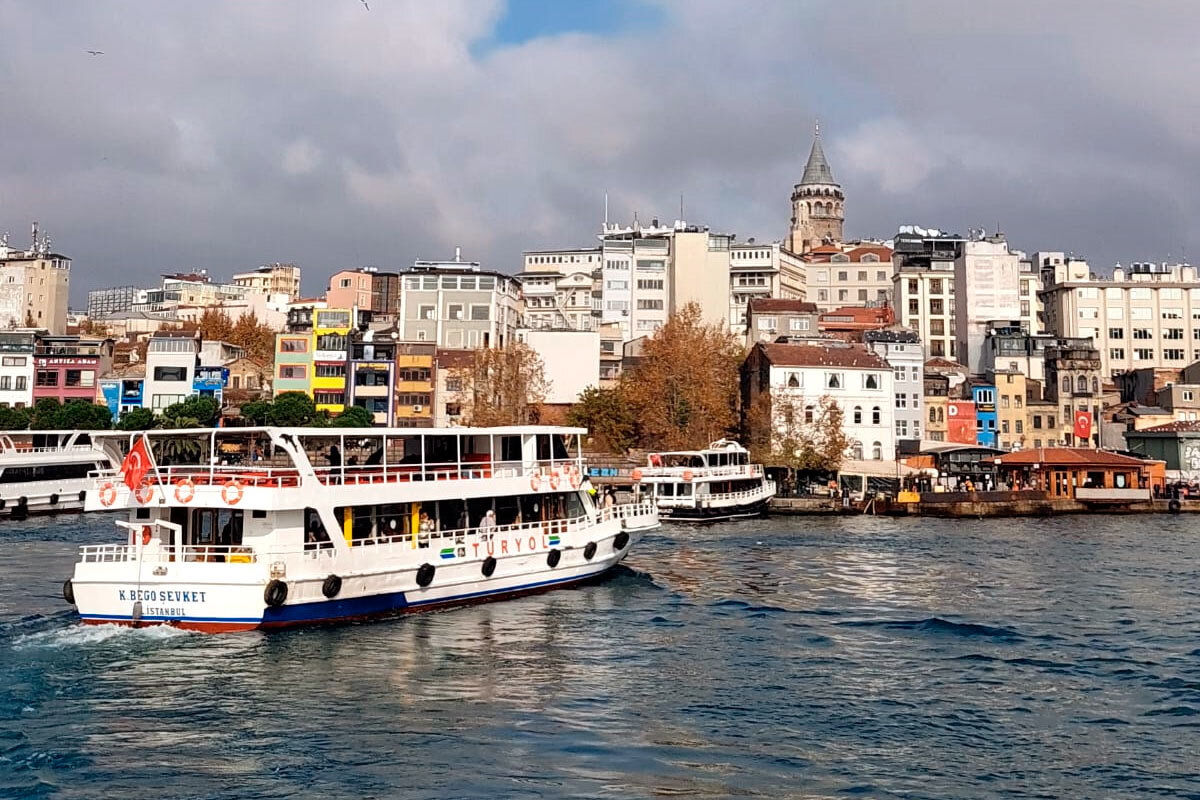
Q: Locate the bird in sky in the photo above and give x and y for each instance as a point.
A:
(364, 2)
(95, 52)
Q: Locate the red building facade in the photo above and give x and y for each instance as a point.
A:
(960, 421)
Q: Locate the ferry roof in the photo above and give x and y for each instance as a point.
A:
(506, 430)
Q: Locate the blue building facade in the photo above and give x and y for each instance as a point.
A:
(984, 396)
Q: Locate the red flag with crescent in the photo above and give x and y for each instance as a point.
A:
(136, 464)
(1083, 425)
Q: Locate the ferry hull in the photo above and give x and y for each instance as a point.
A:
(225, 611)
(758, 508)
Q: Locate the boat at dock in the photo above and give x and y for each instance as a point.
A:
(715, 483)
(242, 528)
(43, 472)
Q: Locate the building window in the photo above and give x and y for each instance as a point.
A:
(5, 383)
(833, 380)
(47, 378)
(1117, 353)
(858, 415)
(1116, 333)
(293, 345)
(19, 361)
(293, 372)
(454, 311)
(426, 312)
(901, 400)
(871, 381)
(22, 385)
(1142, 333)
(480, 312)
(875, 416)
(801, 324)
(1173, 333)
(877, 448)
(1172, 354)
(808, 414)
(1143, 354)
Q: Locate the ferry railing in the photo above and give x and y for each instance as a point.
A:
(213, 475)
(745, 494)
(74, 448)
(360, 474)
(153, 550)
(741, 470)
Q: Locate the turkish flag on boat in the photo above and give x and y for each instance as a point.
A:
(1083, 425)
(136, 464)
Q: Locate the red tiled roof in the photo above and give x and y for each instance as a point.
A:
(778, 304)
(858, 315)
(937, 362)
(806, 355)
(1068, 456)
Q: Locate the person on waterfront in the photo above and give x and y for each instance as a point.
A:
(610, 498)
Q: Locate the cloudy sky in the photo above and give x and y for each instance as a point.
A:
(228, 134)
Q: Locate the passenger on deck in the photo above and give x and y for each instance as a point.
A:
(392, 530)
(376, 458)
(335, 456)
(487, 524)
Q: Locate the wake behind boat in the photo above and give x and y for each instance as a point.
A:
(718, 482)
(241, 528)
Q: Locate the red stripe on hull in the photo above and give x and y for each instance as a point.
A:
(183, 625)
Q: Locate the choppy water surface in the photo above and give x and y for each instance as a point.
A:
(782, 657)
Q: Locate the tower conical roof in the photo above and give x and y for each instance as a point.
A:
(817, 169)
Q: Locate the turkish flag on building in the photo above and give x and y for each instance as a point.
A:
(1083, 425)
(136, 464)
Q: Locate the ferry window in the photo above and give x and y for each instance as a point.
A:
(560, 448)
(510, 448)
(314, 529)
(441, 449)
(507, 512)
(685, 490)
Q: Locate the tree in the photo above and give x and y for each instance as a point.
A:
(136, 419)
(83, 415)
(14, 419)
(785, 430)
(503, 386)
(45, 414)
(256, 338)
(607, 416)
(684, 392)
(292, 410)
(354, 417)
(204, 410)
(215, 324)
(257, 412)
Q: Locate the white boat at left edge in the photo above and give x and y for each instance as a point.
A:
(244, 528)
(45, 472)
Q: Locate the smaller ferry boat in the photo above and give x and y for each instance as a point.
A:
(715, 483)
(240, 528)
(43, 472)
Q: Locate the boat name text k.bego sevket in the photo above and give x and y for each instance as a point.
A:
(241, 528)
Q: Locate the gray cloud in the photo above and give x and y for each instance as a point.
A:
(228, 134)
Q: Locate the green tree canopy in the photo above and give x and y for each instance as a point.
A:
(608, 417)
(202, 409)
(292, 410)
(136, 419)
(354, 417)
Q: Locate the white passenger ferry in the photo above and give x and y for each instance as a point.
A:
(241, 528)
(716, 483)
(46, 471)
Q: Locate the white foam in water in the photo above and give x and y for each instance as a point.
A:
(84, 635)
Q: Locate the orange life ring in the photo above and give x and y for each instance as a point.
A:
(145, 535)
(636, 475)
(144, 493)
(687, 475)
(233, 486)
(108, 494)
(185, 490)
(554, 481)
(535, 481)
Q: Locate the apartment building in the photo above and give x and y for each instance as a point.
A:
(903, 352)
(16, 367)
(1145, 316)
(271, 279)
(853, 273)
(34, 285)
(1000, 287)
(114, 300)
(455, 304)
(768, 319)
(365, 288)
(857, 379)
(184, 289)
(639, 275)
(171, 361)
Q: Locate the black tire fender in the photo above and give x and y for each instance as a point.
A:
(276, 593)
(488, 566)
(553, 557)
(69, 591)
(54, 499)
(331, 587)
(589, 551)
(620, 541)
(425, 575)
(1174, 506)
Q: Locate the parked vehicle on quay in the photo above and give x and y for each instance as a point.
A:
(241, 528)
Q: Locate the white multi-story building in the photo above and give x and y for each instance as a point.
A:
(171, 362)
(271, 279)
(1146, 315)
(639, 275)
(16, 367)
(857, 379)
(456, 305)
(903, 352)
(849, 274)
(927, 291)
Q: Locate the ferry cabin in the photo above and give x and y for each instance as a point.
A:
(46, 471)
(491, 510)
